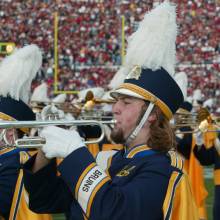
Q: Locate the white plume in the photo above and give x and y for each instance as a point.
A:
(197, 94)
(107, 96)
(118, 78)
(59, 98)
(153, 44)
(40, 93)
(17, 72)
(189, 99)
(182, 81)
(209, 103)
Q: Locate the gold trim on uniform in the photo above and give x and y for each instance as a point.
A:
(82, 177)
(217, 177)
(136, 150)
(9, 118)
(172, 158)
(176, 160)
(125, 171)
(149, 97)
(106, 147)
(170, 193)
(94, 179)
(23, 157)
(95, 190)
(6, 150)
(17, 196)
(109, 161)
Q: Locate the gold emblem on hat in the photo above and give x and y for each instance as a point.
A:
(135, 73)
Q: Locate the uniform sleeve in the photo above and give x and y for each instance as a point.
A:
(184, 145)
(205, 156)
(9, 171)
(101, 198)
(47, 192)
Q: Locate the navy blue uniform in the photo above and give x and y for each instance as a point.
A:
(135, 188)
(9, 170)
(184, 145)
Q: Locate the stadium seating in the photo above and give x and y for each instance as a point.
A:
(90, 39)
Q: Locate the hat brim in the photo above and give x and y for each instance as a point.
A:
(136, 91)
(122, 91)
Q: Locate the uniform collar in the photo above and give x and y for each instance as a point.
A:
(139, 151)
(6, 152)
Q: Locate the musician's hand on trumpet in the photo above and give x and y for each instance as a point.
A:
(51, 112)
(203, 126)
(60, 142)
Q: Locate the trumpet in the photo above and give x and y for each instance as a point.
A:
(66, 107)
(76, 109)
(38, 142)
(196, 121)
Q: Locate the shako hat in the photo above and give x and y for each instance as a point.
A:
(16, 74)
(150, 61)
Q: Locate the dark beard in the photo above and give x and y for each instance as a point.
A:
(117, 136)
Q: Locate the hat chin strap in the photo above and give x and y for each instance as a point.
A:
(135, 132)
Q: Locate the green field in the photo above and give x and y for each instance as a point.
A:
(209, 201)
(58, 217)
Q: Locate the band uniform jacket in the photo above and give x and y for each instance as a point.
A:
(13, 204)
(194, 169)
(207, 155)
(138, 184)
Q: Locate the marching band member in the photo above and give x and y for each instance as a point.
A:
(185, 146)
(207, 151)
(16, 73)
(145, 180)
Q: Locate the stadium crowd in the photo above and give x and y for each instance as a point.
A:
(89, 39)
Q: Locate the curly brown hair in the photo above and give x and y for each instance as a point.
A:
(161, 136)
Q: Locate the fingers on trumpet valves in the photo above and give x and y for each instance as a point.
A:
(51, 112)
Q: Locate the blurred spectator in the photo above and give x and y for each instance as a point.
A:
(90, 39)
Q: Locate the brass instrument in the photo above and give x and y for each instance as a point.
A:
(66, 107)
(196, 121)
(185, 119)
(96, 117)
(76, 109)
(104, 101)
(37, 142)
